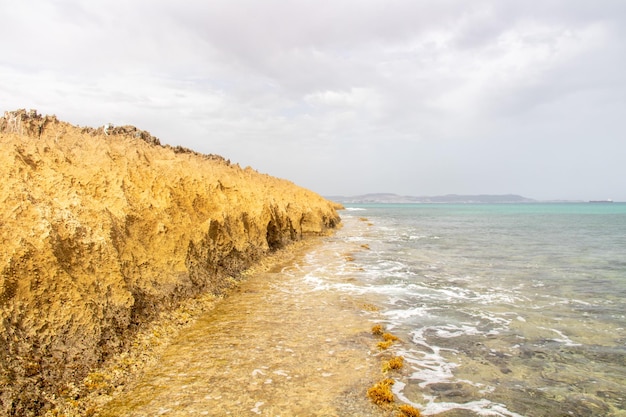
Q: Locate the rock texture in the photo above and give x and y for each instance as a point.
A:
(103, 228)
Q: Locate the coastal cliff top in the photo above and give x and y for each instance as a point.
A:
(104, 228)
(46, 145)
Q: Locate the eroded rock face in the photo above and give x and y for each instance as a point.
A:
(103, 228)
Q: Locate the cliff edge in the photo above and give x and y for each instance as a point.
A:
(101, 229)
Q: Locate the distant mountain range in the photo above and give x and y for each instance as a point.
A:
(449, 198)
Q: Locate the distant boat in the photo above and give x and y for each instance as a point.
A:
(601, 201)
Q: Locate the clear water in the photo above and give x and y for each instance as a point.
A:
(279, 345)
(502, 310)
(506, 310)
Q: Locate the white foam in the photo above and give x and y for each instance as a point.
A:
(355, 209)
(397, 389)
(429, 365)
(481, 407)
(563, 339)
(357, 239)
(495, 319)
(502, 296)
(406, 313)
(437, 372)
(456, 331)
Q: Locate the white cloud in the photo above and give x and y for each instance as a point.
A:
(396, 90)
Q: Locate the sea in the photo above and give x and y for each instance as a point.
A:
(502, 309)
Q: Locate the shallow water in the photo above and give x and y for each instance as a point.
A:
(278, 346)
(509, 310)
(501, 310)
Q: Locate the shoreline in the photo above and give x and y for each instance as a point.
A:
(122, 381)
(117, 373)
(103, 232)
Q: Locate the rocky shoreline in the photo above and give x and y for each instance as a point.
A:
(120, 372)
(104, 229)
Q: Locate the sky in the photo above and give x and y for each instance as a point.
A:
(345, 97)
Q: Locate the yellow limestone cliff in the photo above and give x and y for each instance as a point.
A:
(101, 229)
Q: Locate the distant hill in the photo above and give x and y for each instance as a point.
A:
(449, 198)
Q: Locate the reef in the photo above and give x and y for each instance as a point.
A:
(102, 229)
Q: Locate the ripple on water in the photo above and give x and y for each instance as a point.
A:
(280, 345)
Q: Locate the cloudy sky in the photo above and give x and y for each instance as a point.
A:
(345, 97)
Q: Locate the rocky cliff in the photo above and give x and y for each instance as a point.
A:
(101, 229)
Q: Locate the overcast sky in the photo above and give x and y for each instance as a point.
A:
(345, 97)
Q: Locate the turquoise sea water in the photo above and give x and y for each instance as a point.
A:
(501, 310)
(504, 310)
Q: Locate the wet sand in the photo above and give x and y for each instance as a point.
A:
(276, 346)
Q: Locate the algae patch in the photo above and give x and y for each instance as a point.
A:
(381, 394)
(395, 363)
(406, 410)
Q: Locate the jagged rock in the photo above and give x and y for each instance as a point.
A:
(103, 228)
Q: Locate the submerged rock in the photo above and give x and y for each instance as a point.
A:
(101, 229)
